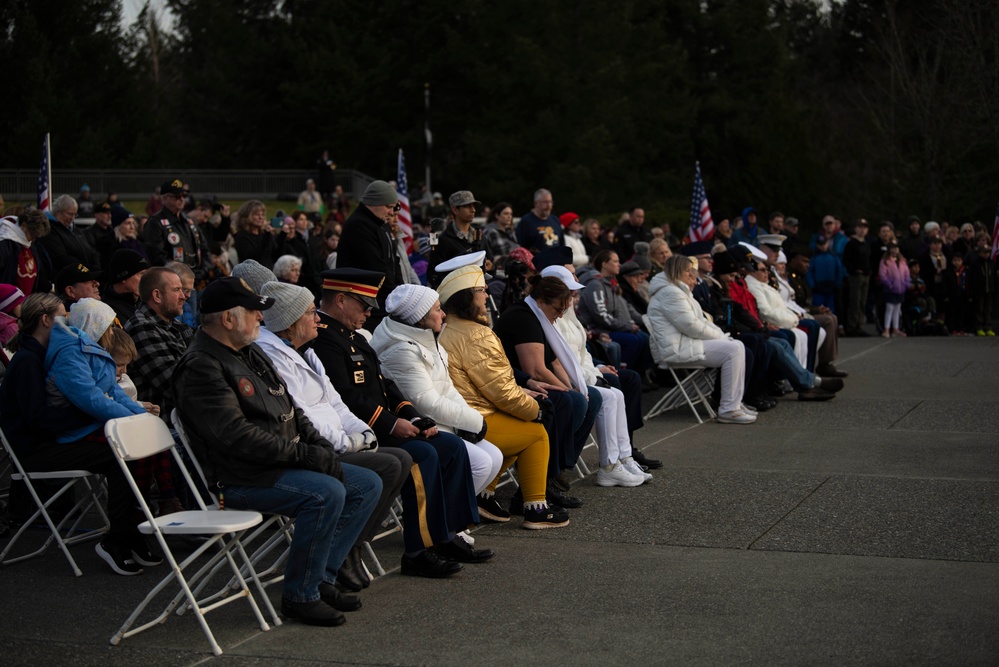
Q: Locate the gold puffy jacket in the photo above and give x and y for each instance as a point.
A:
(481, 372)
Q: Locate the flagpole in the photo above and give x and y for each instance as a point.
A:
(426, 133)
(48, 160)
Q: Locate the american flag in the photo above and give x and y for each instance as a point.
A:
(702, 227)
(405, 217)
(45, 179)
(995, 237)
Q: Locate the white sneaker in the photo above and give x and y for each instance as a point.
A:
(631, 465)
(748, 408)
(735, 417)
(617, 476)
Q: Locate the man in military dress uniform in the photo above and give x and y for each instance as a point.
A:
(169, 236)
(439, 496)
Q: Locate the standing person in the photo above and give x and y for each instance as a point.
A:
(311, 202)
(367, 243)
(539, 229)
(23, 262)
(63, 245)
(894, 277)
(100, 236)
(253, 238)
(749, 230)
(326, 169)
(170, 236)
(982, 281)
(439, 498)
(498, 235)
(857, 262)
(233, 405)
(458, 238)
(630, 232)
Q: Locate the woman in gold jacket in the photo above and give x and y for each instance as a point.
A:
(482, 375)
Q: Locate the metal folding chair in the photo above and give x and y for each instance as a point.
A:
(693, 388)
(64, 536)
(139, 436)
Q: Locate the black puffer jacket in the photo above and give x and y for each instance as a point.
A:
(241, 422)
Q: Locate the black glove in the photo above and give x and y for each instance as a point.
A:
(469, 436)
(481, 435)
(545, 408)
(320, 458)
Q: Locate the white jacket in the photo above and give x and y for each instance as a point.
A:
(579, 256)
(575, 335)
(312, 391)
(678, 326)
(772, 308)
(411, 358)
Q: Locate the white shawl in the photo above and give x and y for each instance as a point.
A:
(562, 350)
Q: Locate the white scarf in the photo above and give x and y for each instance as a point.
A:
(562, 350)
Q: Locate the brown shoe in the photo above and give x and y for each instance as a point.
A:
(815, 395)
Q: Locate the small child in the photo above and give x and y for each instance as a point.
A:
(958, 296)
(10, 310)
(893, 273)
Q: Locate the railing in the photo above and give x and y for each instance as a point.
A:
(21, 184)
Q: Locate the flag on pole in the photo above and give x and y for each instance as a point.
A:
(995, 237)
(702, 228)
(45, 179)
(405, 217)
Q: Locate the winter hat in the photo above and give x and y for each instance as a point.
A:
(379, 193)
(92, 317)
(931, 225)
(10, 296)
(567, 219)
(464, 278)
(125, 263)
(409, 303)
(290, 303)
(254, 273)
(642, 256)
(119, 215)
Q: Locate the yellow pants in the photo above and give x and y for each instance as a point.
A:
(527, 444)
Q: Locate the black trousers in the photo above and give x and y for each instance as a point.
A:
(392, 465)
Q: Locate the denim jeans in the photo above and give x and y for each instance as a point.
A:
(788, 366)
(329, 515)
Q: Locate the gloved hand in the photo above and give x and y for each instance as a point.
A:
(355, 442)
(481, 435)
(319, 458)
(371, 440)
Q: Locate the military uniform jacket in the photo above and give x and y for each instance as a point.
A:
(802, 290)
(170, 238)
(352, 366)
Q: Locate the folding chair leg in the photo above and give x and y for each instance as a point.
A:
(378, 564)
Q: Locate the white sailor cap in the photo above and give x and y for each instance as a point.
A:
(468, 259)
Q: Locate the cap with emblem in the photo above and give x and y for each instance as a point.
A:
(126, 263)
(556, 255)
(103, 207)
(254, 273)
(460, 279)
(725, 263)
(753, 250)
(231, 292)
(462, 198)
(409, 303)
(172, 187)
(361, 282)
(379, 193)
(290, 303)
(771, 239)
(468, 259)
(73, 274)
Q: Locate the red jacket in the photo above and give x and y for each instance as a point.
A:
(739, 293)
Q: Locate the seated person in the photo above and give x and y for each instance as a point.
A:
(288, 330)
(407, 347)
(262, 453)
(681, 334)
(617, 466)
(438, 499)
(482, 375)
(775, 312)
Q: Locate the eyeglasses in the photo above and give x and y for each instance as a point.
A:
(479, 290)
(364, 304)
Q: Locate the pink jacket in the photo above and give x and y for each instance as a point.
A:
(894, 275)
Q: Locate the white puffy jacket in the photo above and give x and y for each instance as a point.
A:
(413, 360)
(312, 391)
(772, 308)
(678, 325)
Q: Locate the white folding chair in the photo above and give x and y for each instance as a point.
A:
(582, 469)
(693, 388)
(140, 436)
(59, 533)
(280, 536)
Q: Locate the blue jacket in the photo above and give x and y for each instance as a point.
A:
(826, 273)
(82, 374)
(747, 233)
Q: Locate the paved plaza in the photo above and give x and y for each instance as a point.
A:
(864, 530)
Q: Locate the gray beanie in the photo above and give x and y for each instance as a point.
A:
(290, 303)
(253, 273)
(409, 303)
(379, 193)
(641, 257)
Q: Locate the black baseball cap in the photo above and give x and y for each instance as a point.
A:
(73, 274)
(231, 292)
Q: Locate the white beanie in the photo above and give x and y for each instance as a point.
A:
(92, 317)
(254, 273)
(290, 303)
(409, 303)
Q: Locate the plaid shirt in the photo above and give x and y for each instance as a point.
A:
(160, 344)
(499, 243)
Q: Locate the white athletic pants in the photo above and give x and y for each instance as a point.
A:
(730, 356)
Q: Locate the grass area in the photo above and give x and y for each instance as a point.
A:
(138, 207)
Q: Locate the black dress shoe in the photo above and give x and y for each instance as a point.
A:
(461, 551)
(429, 564)
(830, 371)
(815, 394)
(339, 601)
(832, 385)
(351, 576)
(760, 403)
(316, 612)
(556, 497)
(643, 460)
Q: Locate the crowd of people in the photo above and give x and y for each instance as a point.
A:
(421, 367)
